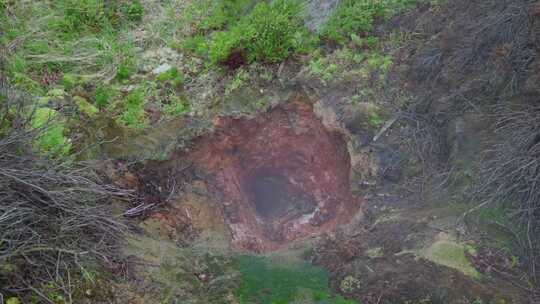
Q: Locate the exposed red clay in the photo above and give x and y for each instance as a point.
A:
(279, 176)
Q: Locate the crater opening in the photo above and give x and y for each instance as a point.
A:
(277, 177)
(274, 197)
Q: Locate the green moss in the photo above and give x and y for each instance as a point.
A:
(51, 141)
(225, 13)
(197, 45)
(354, 17)
(172, 76)
(96, 15)
(176, 107)
(265, 282)
(134, 10)
(375, 120)
(69, 81)
(449, 253)
(85, 107)
(103, 95)
(13, 301)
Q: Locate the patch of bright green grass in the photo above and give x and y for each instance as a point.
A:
(51, 141)
(176, 107)
(172, 76)
(266, 282)
(269, 33)
(134, 115)
(354, 17)
(225, 13)
(103, 95)
(259, 30)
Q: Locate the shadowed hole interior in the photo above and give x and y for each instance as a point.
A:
(274, 196)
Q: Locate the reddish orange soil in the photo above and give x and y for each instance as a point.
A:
(284, 157)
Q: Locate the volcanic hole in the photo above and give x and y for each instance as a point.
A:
(278, 177)
(273, 196)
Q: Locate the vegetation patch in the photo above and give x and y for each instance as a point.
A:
(246, 32)
(354, 17)
(449, 253)
(133, 115)
(56, 220)
(268, 283)
(52, 140)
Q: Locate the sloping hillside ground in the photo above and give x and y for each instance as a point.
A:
(400, 155)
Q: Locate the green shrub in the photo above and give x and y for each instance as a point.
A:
(81, 15)
(225, 13)
(176, 107)
(359, 16)
(172, 76)
(197, 45)
(13, 301)
(134, 11)
(222, 45)
(85, 107)
(69, 81)
(102, 96)
(269, 33)
(271, 30)
(125, 70)
(134, 115)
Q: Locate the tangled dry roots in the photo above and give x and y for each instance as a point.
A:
(55, 218)
(483, 59)
(511, 174)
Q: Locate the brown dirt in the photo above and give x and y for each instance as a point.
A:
(280, 176)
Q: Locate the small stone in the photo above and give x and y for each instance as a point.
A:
(374, 253)
(161, 69)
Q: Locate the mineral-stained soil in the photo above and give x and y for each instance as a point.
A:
(278, 177)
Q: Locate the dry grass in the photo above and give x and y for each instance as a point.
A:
(55, 217)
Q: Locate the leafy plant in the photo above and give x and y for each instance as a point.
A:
(82, 15)
(52, 140)
(134, 11)
(172, 76)
(225, 13)
(102, 96)
(96, 15)
(134, 115)
(68, 81)
(239, 80)
(176, 107)
(125, 70)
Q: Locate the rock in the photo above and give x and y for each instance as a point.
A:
(318, 12)
(161, 69)
(159, 59)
